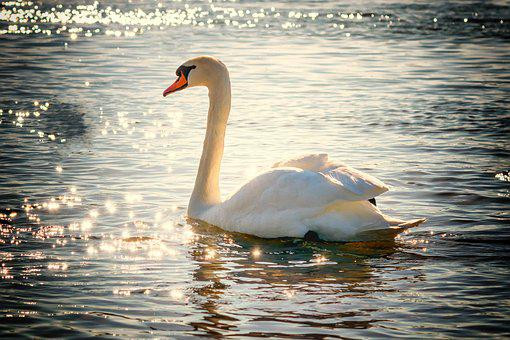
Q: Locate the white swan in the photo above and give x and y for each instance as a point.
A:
(293, 199)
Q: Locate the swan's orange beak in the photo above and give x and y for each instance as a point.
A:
(180, 84)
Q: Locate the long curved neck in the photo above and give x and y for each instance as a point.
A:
(207, 190)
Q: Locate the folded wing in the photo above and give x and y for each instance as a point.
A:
(359, 183)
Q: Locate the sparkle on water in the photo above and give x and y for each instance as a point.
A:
(97, 168)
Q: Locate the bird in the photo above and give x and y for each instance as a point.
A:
(306, 197)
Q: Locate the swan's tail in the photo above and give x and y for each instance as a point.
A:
(412, 223)
(396, 227)
(398, 223)
(358, 221)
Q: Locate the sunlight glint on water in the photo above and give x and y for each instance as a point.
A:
(96, 168)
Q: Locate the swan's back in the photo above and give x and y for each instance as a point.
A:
(359, 183)
(289, 202)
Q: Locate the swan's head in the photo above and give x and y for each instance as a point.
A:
(199, 71)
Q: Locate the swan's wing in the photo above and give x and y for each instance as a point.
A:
(313, 162)
(357, 182)
(290, 202)
(278, 203)
(284, 188)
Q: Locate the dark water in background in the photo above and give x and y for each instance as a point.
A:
(96, 168)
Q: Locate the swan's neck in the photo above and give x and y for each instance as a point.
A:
(207, 190)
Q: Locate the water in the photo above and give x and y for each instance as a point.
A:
(97, 168)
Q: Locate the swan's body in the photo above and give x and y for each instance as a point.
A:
(305, 194)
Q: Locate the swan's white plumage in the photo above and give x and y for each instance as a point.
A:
(361, 184)
(308, 193)
(289, 202)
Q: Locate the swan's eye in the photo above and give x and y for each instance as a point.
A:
(184, 70)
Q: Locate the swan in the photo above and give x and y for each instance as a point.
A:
(301, 197)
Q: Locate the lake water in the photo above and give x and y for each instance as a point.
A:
(97, 168)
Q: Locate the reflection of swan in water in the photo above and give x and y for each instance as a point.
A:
(238, 288)
(295, 198)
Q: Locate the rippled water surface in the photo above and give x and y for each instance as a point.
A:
(96, 168)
